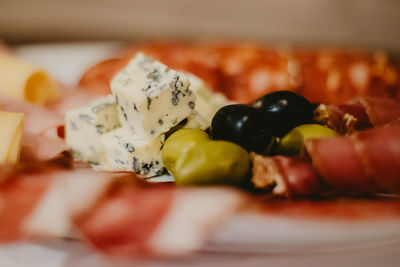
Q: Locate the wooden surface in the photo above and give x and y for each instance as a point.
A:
(365, 23)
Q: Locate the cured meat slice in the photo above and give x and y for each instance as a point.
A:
(117, 213)
(40, 199)
(43, 129)
(18, 198)
(381, 111)
(360, 114)
(336, 160)
(21, 189)
(71, 98)
(246, 71)
(124, 220)
(135, 221)
(379, 152)
(97, 79)
(367, 162)
(37, 147)
(37, 120)
(287, 176)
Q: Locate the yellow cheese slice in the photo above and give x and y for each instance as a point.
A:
(11, 125)
(22, 80)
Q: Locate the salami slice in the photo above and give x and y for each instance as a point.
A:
(246, 71)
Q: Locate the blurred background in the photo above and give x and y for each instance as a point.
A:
(368, 24)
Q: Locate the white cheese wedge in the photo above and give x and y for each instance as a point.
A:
(207, 103)
(11, 125)
(22, 80)
(85, 125)
(151, 97)
(125, 151)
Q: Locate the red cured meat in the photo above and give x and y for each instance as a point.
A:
(37, 120)
(97, 78)
(72, 98)
(381, 110)
(43, 136)
(123, 221)
(367, 162)
(18, 198)
(358, 111)
(337, 162)
(379, 152)
(38, 147)
(358, 114)
(246, 71)
(299, 176)
(290, 176)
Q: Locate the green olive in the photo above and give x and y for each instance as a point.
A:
(292, 143)
(212, 162)
(178, 144)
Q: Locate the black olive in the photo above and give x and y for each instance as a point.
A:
(243, 125)
(285, 110)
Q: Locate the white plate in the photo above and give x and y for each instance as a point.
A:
(246, 233)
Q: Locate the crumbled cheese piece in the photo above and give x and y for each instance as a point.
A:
(125, 151)
(151, 97)
(85, 125)
(207, 103)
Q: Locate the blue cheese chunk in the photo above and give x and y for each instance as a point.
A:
(207, 103)
(125, 151)
(85, 125)
(151, 97)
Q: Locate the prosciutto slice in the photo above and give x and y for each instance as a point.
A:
(21, 187)
(287, 176)
(38, 147)
(71, 98)
(40, 199)
(117, 213)
(358, 114)
(369, 160)
(157, 219)
(43, 129)
(18, 198)
(366, 162)
(37, 120)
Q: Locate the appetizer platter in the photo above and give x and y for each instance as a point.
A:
(168, 148)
